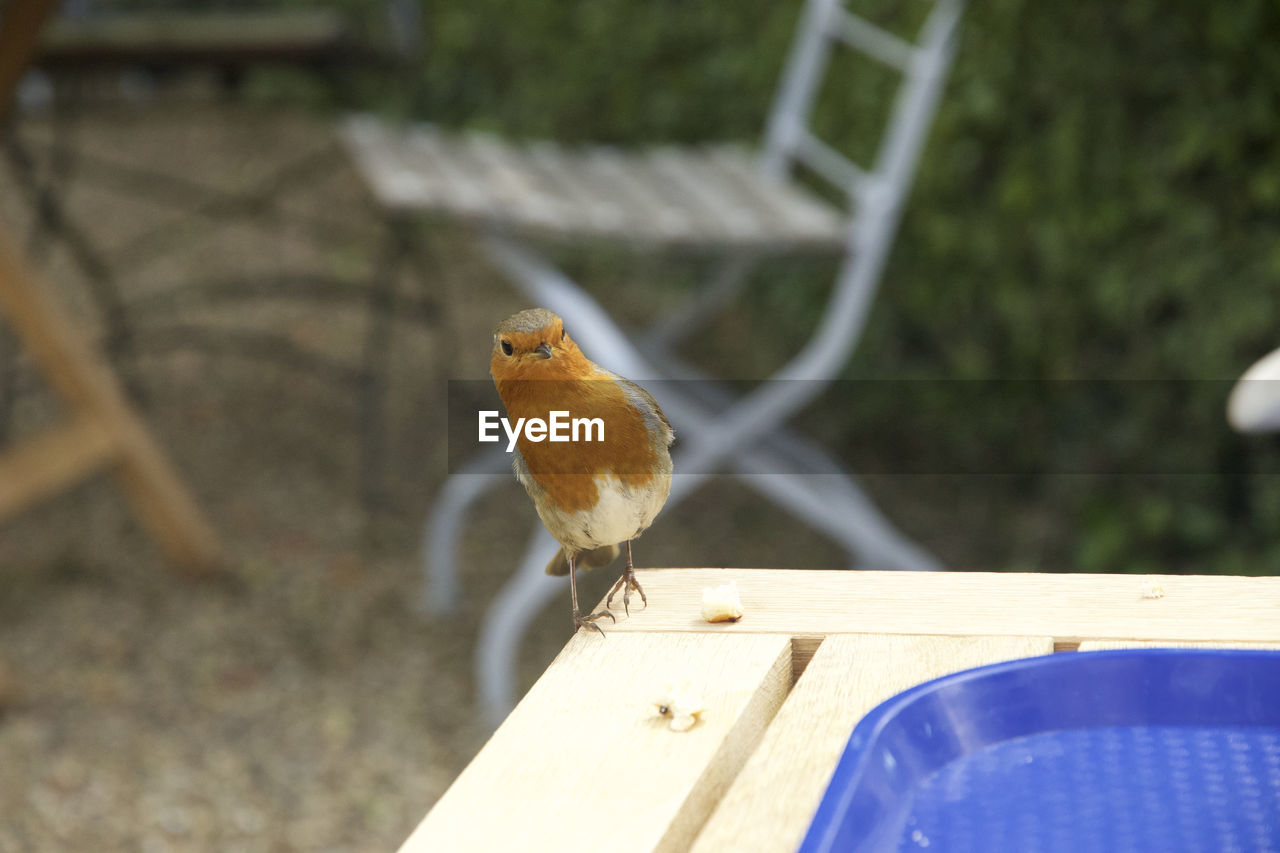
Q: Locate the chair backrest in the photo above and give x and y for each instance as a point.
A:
(827, 24)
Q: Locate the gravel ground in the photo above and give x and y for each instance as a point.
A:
(298, 702)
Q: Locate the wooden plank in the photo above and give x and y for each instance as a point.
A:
(1068, 607)
(51, 461)
(684, 175)
(703, 175)
(455, 187)
(704, 227)
(651, 215)
(590, 210)
(772, 801)
(802, 651)
(1113, 645)
(756, 196)
(523, 192)
(585, 762)
(799, 217)
(80, 377)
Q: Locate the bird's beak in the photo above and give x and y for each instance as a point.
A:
(543, 351)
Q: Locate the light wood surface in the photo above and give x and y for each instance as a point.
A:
(1113, 645)
(585, 762)
(770, 804)
(580, 764)
(1069, 608)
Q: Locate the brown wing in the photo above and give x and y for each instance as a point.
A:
(653, 416)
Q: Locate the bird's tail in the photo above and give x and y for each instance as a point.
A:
(597, 558)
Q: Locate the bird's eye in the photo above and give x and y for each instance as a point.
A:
(506, 348)
(663, 710)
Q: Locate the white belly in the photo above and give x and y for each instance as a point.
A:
(621, 513)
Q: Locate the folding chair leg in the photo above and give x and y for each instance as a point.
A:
(506, 622)
(445, 524)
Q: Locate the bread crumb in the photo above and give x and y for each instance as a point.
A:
(1152, 589)
(722, 603)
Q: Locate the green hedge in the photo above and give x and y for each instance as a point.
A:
(1100, 201)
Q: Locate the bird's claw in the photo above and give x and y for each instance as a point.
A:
(626, 583)
(580, 621)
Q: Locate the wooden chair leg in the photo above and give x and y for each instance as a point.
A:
(42, 466)
(104, 431)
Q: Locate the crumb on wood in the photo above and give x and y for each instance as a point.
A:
(722, 603)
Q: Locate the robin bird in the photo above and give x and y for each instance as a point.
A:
(592, 495)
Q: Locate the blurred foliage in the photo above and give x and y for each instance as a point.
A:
(1099, 199)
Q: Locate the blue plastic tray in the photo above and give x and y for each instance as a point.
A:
(1157, 750)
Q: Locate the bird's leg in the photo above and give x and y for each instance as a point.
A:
(578, 619)
(626, 583)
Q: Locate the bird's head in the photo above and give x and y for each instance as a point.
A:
(533, 345)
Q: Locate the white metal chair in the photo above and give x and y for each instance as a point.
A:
(713, 197)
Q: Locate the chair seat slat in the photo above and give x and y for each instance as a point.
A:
(722, 211)
(798, 216)
(664, 196)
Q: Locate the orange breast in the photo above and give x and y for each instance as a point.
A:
(566, 470)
